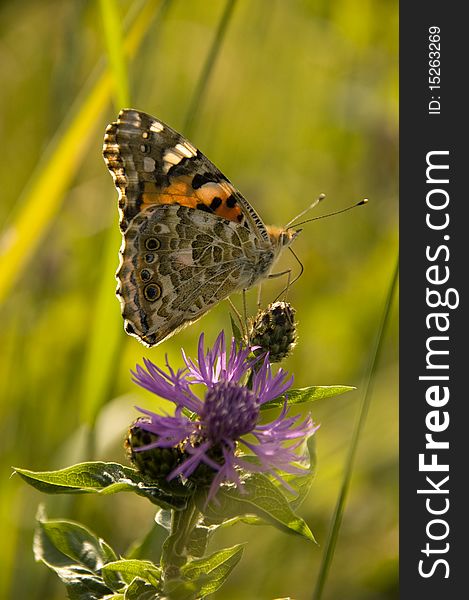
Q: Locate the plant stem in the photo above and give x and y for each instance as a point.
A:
(174, 554)
(201, 87)
(341, 500)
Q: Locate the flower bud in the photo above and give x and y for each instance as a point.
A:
(204, 473)
(274, 330)
(155, 463)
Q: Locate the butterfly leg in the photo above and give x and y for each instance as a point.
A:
(285, 289)
(275, 275)
(246, 320)
(245, 308)
(287, 286)
(259, 292)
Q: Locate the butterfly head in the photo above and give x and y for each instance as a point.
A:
(282, 237)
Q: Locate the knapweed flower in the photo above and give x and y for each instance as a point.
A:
(217, 430)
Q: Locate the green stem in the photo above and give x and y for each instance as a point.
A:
(201, 87)
(174, 554)
(341, 500)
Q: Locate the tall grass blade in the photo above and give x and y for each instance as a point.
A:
(204, 78)
(45, 191)
(115, 51)
(103, 340)
(333, 534)
(106, 334)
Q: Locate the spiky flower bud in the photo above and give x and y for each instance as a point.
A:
(204, 474)
(157, 463)
(274, 330)
(154, 463)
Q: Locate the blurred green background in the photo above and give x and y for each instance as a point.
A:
(302, 99)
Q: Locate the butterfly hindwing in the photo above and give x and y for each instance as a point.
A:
(176, 264)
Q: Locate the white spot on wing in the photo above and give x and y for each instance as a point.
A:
(192, 148)
(170, 159)
(164, 229)
(186, 149)
(209, 190)
(149, 164)
(130, 170)
(156, 126)
(184, 258)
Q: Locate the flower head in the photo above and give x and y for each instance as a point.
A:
(274, 330)
(213, 430)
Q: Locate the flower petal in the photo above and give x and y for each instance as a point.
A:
(170, 430)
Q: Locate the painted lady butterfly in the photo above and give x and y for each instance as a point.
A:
(190, 239)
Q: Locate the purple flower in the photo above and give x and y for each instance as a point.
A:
(227, 419)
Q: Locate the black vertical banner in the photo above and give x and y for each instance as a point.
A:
(434, 239)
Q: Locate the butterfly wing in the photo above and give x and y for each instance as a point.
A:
(190, 239)
(153, 164)
(177, 263)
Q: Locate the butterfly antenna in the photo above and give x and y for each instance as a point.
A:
(337, 212)
(303, 212)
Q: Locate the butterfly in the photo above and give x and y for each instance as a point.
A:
(190, 239)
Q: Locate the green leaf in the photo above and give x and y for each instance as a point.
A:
(129, 569)
(198, 540)
(76, 555)
(238, 336)
(99, 478)
(180, 589)
(211, 572)
(140, 590)
(163, 519)
(302, 483)
(259, 497)
(308, 394)
(149, 544)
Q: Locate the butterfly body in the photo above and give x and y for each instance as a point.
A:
(190, 239)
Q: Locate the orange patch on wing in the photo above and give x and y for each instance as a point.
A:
(218, 197)
(231, 214)
(207, 195)
(179, 192)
